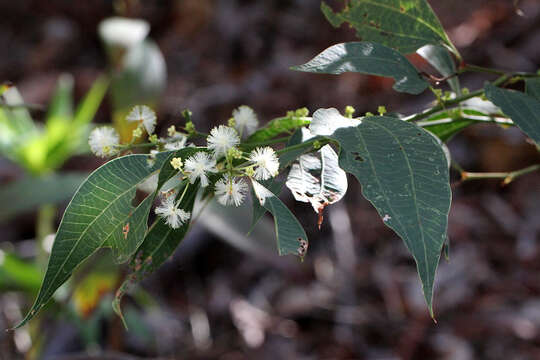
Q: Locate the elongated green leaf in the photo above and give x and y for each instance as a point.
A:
(16, 274)
(88, 107)
(61, 107)
(100, 214)
(317, 178)
(276, 127)
(532, 87)
(404, 174)
(404, 25)
(158, 245)
(367, 58)
(439, 57)
(291, 237)
(29, 192)
(523, 109)
(275, 186)
(445, 125)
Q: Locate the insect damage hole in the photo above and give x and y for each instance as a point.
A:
(302, 248)
(357, 157)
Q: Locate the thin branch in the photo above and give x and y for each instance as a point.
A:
(507, 177)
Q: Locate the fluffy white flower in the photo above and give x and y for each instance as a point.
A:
(173, 215)
(266, 163)
(142, 113)
(103, 141)
(221, 139)
(198, 165)
(230, 190)
(176, 142)
(245, 120)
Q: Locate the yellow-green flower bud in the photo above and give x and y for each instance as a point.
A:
(137, 133)
(381, 110)
(349, 111)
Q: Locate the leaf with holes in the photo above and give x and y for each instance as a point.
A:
(291, 237)
(316, 178)
(404, 174)
(367, 58)
(523, 109)
(100, 214)
(404, 25)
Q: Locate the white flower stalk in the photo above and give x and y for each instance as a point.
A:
(221, 139)
(171, 212)
(198, 165)
(245, 120)
(104, 141)
(143, 114)
(266, 163)
(231, 191)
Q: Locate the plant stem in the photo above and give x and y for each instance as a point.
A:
(44, 227)
(444, 104)
(507, 177)
(475, 68)
(268, 142)
(303, 145)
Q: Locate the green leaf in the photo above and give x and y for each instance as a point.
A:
(61, 106)
(317, 178)
(367, 58)
(441, 59)
(100, 214)
(404, 174)
(16, 274)
(404, 25)
(445, 125)
(523, 109)
(532, 87)
(275, 186)
(291, 237)
(158, 245)
(28, 193)
(88, 107)
(276, 127)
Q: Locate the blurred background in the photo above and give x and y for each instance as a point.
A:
(227, 296)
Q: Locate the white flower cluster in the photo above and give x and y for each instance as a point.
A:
(142, 114)
(170, 211)
(104, 141)
(221, 157)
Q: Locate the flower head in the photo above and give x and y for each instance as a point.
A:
(266, 162)
(177, 163)
(245, 120)
(221, 139)
(198, 165)
(142, 113)
(231, 190)
(170, 211)
(103, 141)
